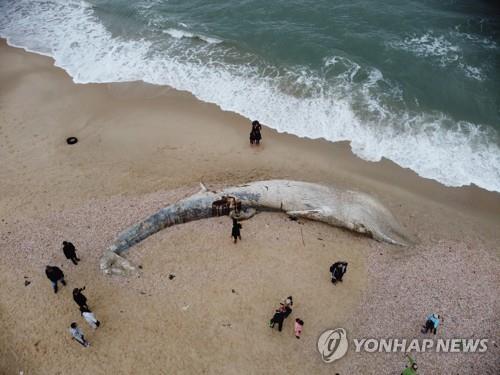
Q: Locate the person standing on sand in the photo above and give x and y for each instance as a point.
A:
(299, 323)
(54, 274)
(89, 317)
(235, 232)
(78, 335)
(255, 135)
(70, 252)
(80, 299)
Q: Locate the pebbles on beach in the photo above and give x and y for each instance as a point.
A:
(451, 278)
(447, 277)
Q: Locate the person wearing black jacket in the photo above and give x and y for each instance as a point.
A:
(255, 135)
(287, 311)
(54, 274)
(281, 314)
(235, 232)
(70, 252)
(279, 317)
(338, 270)
(80, 299)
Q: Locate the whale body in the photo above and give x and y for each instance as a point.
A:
(352, 210)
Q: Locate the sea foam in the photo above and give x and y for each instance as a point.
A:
(179, 34)
(443, 51)
(432, 144)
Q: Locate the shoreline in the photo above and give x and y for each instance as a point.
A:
(364, 173)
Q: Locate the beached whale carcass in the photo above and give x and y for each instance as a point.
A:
(352, 210)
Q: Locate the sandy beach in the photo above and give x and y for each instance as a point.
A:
(142, 147)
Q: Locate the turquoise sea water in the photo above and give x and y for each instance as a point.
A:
(417, 82)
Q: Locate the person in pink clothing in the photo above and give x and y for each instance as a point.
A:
(299, 323)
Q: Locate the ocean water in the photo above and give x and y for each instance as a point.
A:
(416, 82)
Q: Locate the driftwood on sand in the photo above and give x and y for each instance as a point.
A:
(352, 210)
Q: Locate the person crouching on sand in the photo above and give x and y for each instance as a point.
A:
(78, 335)
(338, 270)
(431, 323)
(299, 323)
(235, 232)
(411, 368)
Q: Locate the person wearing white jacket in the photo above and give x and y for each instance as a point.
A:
(78, 335)
(90, 317)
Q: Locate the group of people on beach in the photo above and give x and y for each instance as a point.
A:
(337, 270)
(283, 312)
(56, 275)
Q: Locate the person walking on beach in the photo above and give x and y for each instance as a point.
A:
(235, 232)
(54, 274)
(70, 252)
(79, 298)
(89, 317)
(255, 135)
(78, 335)
(431, 323)
(338, 270)
(299, 323)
